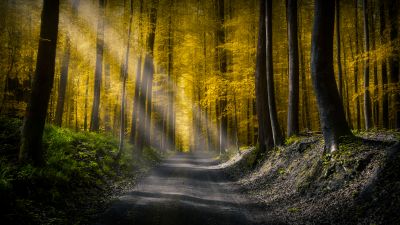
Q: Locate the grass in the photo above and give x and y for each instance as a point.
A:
(80, 170)
(292, 139)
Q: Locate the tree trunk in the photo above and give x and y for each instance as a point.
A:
(293, 106)
(265, 138)
(367, 99)
(171, 113)
(236, 125)
(384, 72)
(331, 113)
(357, 99)
(106, 101)
(138, 85)
(95, 123)
(148, 84)
(63, 84)
(375, 101)
(222, 69)
(32, 132)
(276, 130)
(124, 77)
(394, 62)
(85, 119)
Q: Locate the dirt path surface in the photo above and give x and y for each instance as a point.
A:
(187, 189)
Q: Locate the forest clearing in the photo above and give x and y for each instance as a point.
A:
(215, 112)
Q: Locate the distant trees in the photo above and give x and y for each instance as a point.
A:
(332, 117)
(31, 138)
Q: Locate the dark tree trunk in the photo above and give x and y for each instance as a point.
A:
(357, 98)
(63, 84)
(339, 62)
(331, 113)
(31, 138)
(171, 113)
(265, 138)
(375, 101)
(394, 61)
(384, 72)
(95, 123)
(293, 107)
(276, 130)
(367, 98)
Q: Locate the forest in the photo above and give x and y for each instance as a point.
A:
(199, 112)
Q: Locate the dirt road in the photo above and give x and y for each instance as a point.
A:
(186, 189)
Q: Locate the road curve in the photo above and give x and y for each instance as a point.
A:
(186, 189)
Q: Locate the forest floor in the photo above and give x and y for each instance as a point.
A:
(299, 184)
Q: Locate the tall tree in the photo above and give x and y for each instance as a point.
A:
(222, 62)
(138, 83)
(375, 98)
(145, 125)
(31, 138)
(62, 88)
(357, 99)
(394, 61)
(124, 77)
(276, 130)
(170, 135)
(367, 98)
(265, 139)
(331, 113)
(95, 123)
(293, 106)
(384, 72)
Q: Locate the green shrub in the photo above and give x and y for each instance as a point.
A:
(80, 167)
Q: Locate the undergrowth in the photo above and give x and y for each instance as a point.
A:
(80, 171)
